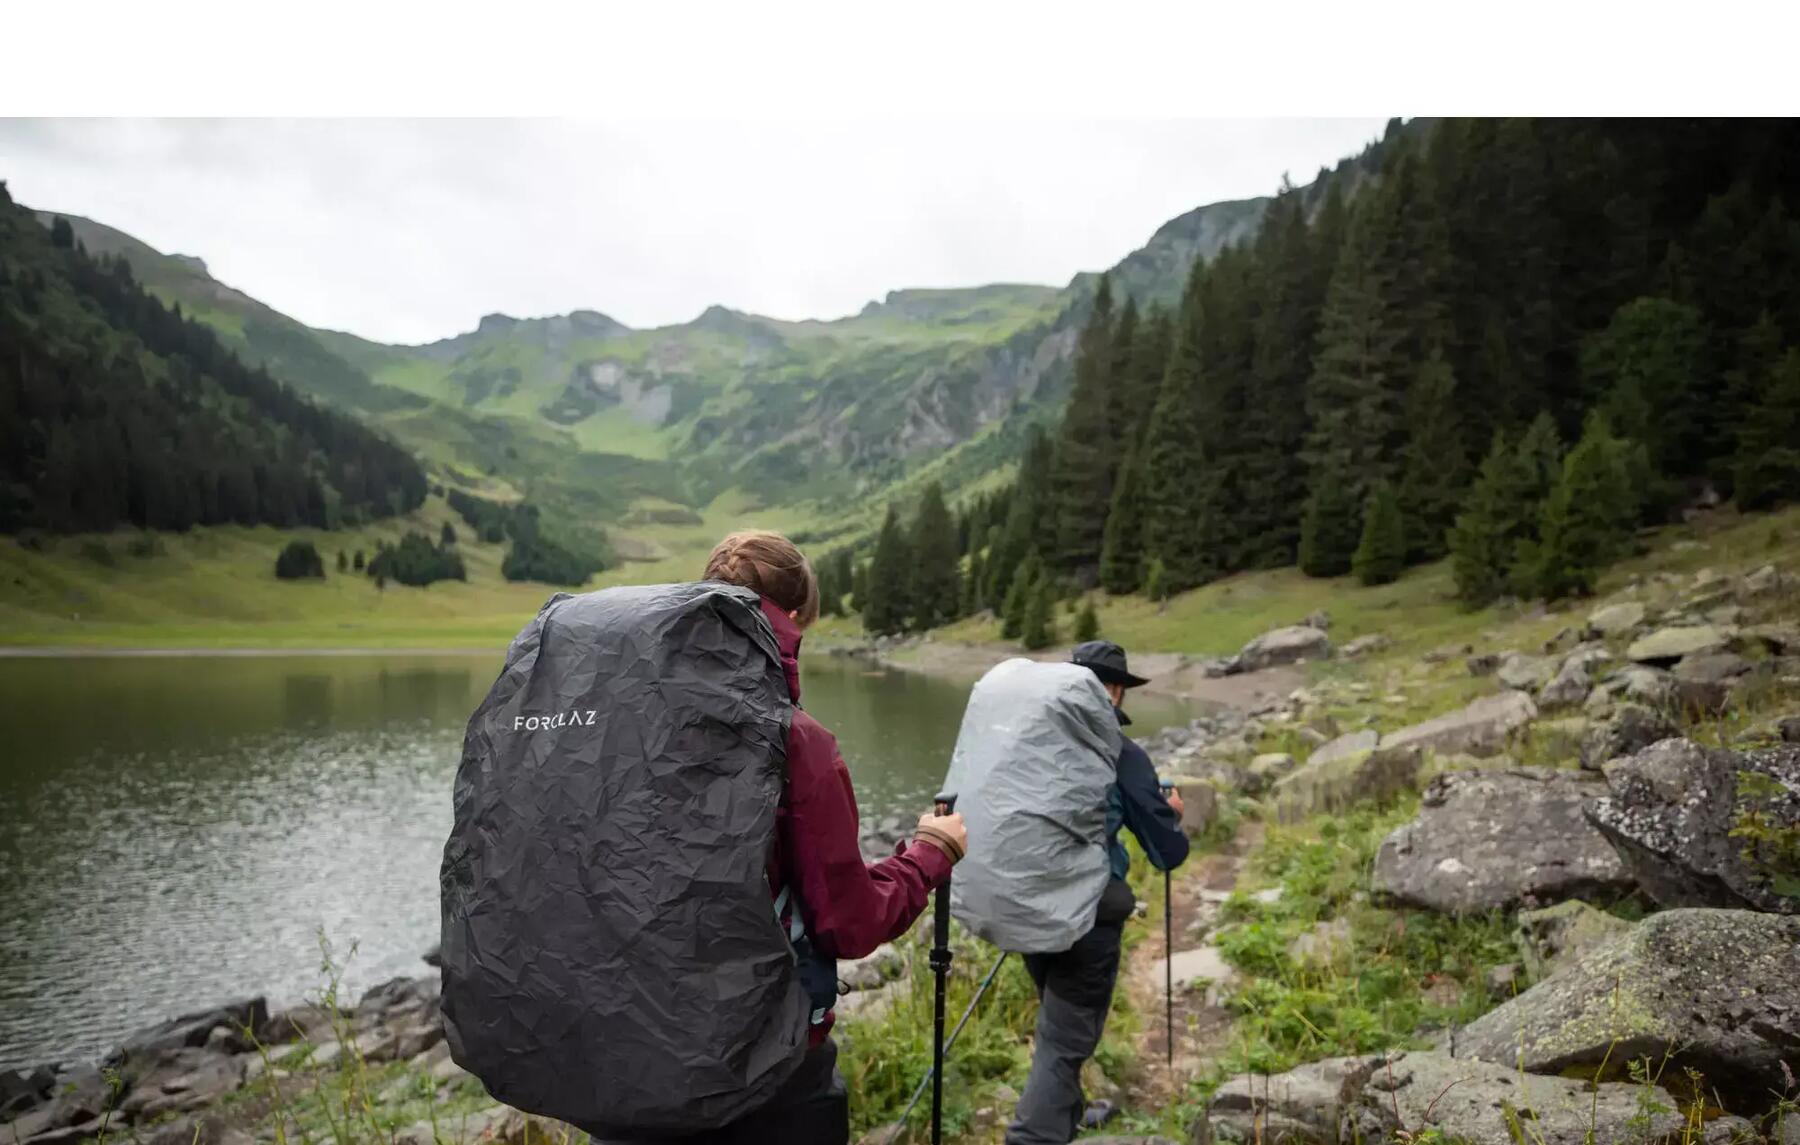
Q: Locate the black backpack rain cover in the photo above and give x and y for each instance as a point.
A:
(611, 955)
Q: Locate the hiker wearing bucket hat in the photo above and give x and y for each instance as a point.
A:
(1075, 985)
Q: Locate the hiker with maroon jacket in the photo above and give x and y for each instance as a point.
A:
(653, 866)
(849, 907)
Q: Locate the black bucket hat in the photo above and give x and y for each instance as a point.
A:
(1106, 660)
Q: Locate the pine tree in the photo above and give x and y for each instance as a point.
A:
(1540, 460)
(447, 536)
(1030, 516)
(859, 586)
(1767, 469)
(1177, 489)
(1087, 622)
(1434, 469)
(1018, 597)
(1039, 627)
(890, 580)
(972, 581)
(1085, 448)
(1354, 392)
(935, 590)
(299, 560)
(1646, 370)
(1121, 560)
(62, 234)
(357, 561)
(1330, 527)
(1495, 517)
(1381, 555)
(1156, 581)
(1587, 520)
(343, 562)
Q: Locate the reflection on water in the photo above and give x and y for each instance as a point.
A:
(177, 830)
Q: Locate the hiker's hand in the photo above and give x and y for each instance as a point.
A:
(946, 833)
(1175, 802)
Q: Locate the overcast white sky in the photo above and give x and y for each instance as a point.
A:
(408, 231)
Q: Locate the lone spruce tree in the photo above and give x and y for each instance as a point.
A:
(935, 588)
(1085, 449)
(1087, 622)
(1018, 597)
(1039, 628)
(1382, 554)
(889, 580)
(1494, 518)
(1588, 519)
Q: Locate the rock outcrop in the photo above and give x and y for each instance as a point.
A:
(1481, 728)
(1616, 619)
(1717, 990)
(1631, 728)
(1334, 784)
(1667, 645)
(1670, 813)
(1561, 935)
(1487, 840)
(1284, 646)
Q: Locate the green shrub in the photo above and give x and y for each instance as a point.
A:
(298, 561)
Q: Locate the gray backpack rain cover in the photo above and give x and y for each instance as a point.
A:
(1033, 766)
(611, 954)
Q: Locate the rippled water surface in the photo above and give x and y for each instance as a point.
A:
(177, 830)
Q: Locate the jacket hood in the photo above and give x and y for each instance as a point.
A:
(787, 638)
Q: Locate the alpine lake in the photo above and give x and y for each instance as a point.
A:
(179, 830)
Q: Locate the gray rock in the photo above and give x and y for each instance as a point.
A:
(1344, 746)
(1335, 784)
(1202, 968)
(1667, 645)
(22, 1089)
(870, 1004)
(1446, 652)
(1366, 645)
(1615, 619)
(1631, 728)
(192, 1030)
(1711, 667)
(1670, 812)
(1729, 1130)
(495, 1125)
(79, 1097)
(870, 971)
(1265, 769)
(1717, 990)
(1502, 981)
(180, 1080)
(1485, 664)
(1526, 673)
(1568, 689)
(1200, 806)
(1645, 685)
(1487, 840)
(1482, 728)
(1327, 942)
(399, 994)
(1478, 1103)
(193, 1129)
(1285, 646)
(1776, 639)
(1766, 579)
(1561, 935)
(1319, 619)
(1300, 1107)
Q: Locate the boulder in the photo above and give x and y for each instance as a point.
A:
(1285, 646)
(1199, 806)
(179, 1080)
(21, 1089)
(1481, 728)
(1335, 784)
(1711, 667)
(1202, 968)
(79, 1097)
(1631, 728)
(1643, 685)
(495, 1125)
(874, 968)
(193, 1129)
(1670, 813)
(1568, 688)
(1615, 619)
(192, 1030)
(399, 994)
(295, 1024)
(1561, 935)
(1344, 746)
(1265, 769)
(1776, 639)
(1327, 942)
(870, 1004)
(1487, 840)
(1365, 645)
(1764, 580)
(1477, 1103)
(1319, 619)
(1300, 1107)
(1526, 673)
(1715, 990)
(1667, 645)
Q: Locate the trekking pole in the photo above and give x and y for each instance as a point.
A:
(1168, 960)
(949, 1043)
(940, 969)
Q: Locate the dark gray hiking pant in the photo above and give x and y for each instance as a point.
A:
(1074, 993)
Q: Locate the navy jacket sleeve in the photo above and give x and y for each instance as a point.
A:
(1147, 813)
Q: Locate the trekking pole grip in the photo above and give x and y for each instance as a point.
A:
(946, 802)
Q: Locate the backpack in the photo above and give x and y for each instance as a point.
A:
(1034, 766)
(611, 954)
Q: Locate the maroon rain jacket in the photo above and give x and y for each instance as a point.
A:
(849, 906)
